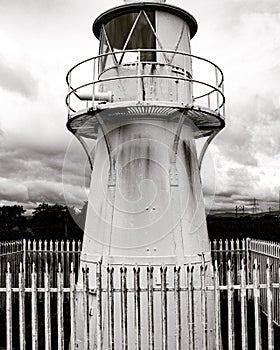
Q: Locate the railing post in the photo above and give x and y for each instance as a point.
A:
(217, 89)
(185, 79)
(139, 76)
(224, 105)
(69, 94)
(93, 82)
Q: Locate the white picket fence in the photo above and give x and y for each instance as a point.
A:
(39, 293)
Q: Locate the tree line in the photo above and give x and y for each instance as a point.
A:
(59, 222)
(47, 221)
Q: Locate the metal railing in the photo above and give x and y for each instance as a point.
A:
(205, 82)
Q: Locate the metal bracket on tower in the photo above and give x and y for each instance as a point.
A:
(112, 170)
(205, 146)
(85, 147)
(173, 173)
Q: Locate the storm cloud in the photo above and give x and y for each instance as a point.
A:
(42, 40)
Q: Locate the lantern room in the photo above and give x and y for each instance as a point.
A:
(145, 69)
(134, 40)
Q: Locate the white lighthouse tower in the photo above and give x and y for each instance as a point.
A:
(145, 99)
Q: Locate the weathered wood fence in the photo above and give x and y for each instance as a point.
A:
(39, 308)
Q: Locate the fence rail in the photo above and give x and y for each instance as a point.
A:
(41, 306)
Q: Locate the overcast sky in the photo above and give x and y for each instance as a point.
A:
(40, 40)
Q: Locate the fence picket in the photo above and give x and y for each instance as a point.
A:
(243, 306)
(60, 327)
(137, 303)
(99, 305)
(230, 307)
(217, 306)
(73, 340)
(256, 296)
(163, 271)
(21, 279)
(111, 318)
(177, 300)
(9, 332)
(269, 301)
(86, 308)
(47, 310)
(124, 330)
(150, 282)
(190, 306)
(34, 309)
(203, 305)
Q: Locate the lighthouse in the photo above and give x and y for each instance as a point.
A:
(144, 100)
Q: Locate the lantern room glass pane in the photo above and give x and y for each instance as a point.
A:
(118, 31)
(107, 60)
(143, 37)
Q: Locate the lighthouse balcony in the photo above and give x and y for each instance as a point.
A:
(145, 83)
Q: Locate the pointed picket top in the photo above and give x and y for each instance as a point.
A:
(229, 265)
(214, 244)
(255, 264)
(237, 242)
(59, 270)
